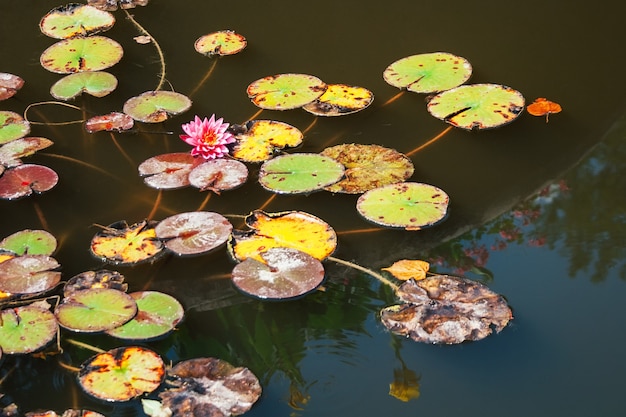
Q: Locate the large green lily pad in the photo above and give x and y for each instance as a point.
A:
(410, 205)
(285, 91)
(477, 106)
(299, 173)
(95, 83)
(30, 242)
(12, 126)
(26, 329)
(93, 53)
(194, 232)
(257, 140)
(74, 20)
(156, 106)
(428, 73)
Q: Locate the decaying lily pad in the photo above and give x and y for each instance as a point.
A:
(93, 53)
(26, 329)
(168, 171)
(368, 167)
(299, 173)
(29, 275)
(121, 244)
(30, 242)
(211, 387)
(71, 412)
(10, 153)
(156, 106)
(224, 42)
(285, 91)
(23, 180)
(284, 274)
(111, 5)
(95, 310)
(257, 140)
(94, 83)
(444, 309)
(102, 278)
(339, 100)
(194, 232)
(218, 175)
(12, 126)
(114, 121)
(74, 19)
(9, 85)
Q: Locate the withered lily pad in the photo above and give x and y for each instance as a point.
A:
(30, 242)
(95, 310)
(156, 106)
(122, 374)
(111, 5)
(29, 275)
(93, 53)
(410, 205)
(224, 42)
(94, 83)
(218, 175)
(74, 20)
(446, 310)
(72, 412)
(23, 180)
(26, 329)
(114, 121)
(290, 229)
(9, 85)
(12, 126)
(284, 273)
(477, 106)
(121, 244)
(258, 140)
(157, 315)
(299, 173)
(211, 386)
(340, 99)
(194, 232)
(168, 171)
(368, 167)
(285, 91)
(10, 153)
(102, 278)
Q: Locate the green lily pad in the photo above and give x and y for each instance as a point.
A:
(122, 374)
(477, 106)
(168, 171)
(224, 42)
(156, 106)
(157, 315)
(95, 83)
(299, 173)
(12, 126)
(258, 140)
(93, 53)
(23, 180)
(194, 232)
(29, 275)
(428, 73)
(26, 329)
(410, 205)
(285, 91)
(74, 20)
(30, 242)
(339, 100)
(218, 175)
(10, 153)
(368, 167)
(95, 310)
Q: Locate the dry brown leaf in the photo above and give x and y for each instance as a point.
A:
(406, 269)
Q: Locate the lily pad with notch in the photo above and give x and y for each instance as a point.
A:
(11, 152)
(258, 140)
(30, 242)
(299, 173)
(194, 233)
(121, 244)
(26, 329)
(74, 20)
(29, 275)
(168, 171)
(285, 91)
(156, 106)
(93, 53)
(223, 42)
(9, 85)
(12, 126)
(94, 83)
(102, 278)
(218, 175)
(114, 121)
(339, 100)
(24, 180)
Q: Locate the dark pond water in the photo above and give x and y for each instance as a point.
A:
(537, 209)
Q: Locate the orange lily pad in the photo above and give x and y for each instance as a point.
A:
(122, 244)
(543, 107)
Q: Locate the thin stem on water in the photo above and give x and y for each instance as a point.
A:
(310, 126)
(78, 161)
(85, 346)
(430, 142)
(255, 115)
(41, 217)
(376, 275)
(206, 77)
(155, 207)
(156, 45)
(394, 98)
(205, 201)
(56, 103)
(356, 231)
(122, 151)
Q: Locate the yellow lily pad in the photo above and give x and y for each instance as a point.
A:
(258, 140)
(122, 244)
(340, 99)
(224, 42)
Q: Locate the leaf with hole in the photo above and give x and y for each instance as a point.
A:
(26, 329)
(29, 275)
(156, 106)
(218, 175)
(299, 173)
(95, 310)
(121, 244)
(224, 42)
(10, 153)
(94, 83)
(9, 85)
(93, 53)
(102, 278)
(339, 100)
(74, 20)
(168, 171)
(258, 140)
(12, 126)
(30, 242)
(285, 91)
(194, 233)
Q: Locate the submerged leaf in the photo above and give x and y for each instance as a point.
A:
(285, 91)
(102, 278)
(340, 99)
(74, 19)
(121, 244)
(224, 42)
(257, 140)
(156, 106)
(299, 173)
(93, 53)
(111, 5)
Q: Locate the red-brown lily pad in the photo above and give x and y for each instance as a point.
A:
(23, 180)
(114, 121)
(102, 278)
(168, 171)
(10, 153)
(9, 85)
(218, 175)
(29, 275)
(194, 232)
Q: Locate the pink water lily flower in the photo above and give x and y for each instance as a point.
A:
(208, 137)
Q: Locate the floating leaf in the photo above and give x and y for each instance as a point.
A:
(428, 73)
(114, 121)
(30, 242)
(446, 309)
(23, 180)
(406, 269)
(340, 99)
(218, 175)
(368, 167)
(19, 148)
(93, 53)
(225, 42)
(210, 385)
(74, 20)
(257, 140)
(477, 106)
(26, 329)
(122, 374)
(156, 106)
(95, 83)
(290, 229)
(299, 173)
(285, 273)
(95, 310)
(543, 107)
(410, 205)
(29, 275)
(122, 244)
(168, 171)
(9, 85)
(285, 91)
(95, 279)
(12, 126)
(111, 5)
(157, 315)
(194, 232)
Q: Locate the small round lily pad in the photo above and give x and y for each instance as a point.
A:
(299, 173)
(92, 53)
(95, 83)
(12, 126)
(74, 20)
(285, 91)
(156, 106)
(224, 42)
(26, 329)
(339, 100)
(194, 232)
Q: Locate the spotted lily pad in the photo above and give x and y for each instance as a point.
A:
(26, 329)
(74, 20)
(299, 173)
(93, 53)
(368, 167)
(95, 83)
(102, 278)
(157, 315)
(122, 374)
(23, 180)
(30, 242)
(290, 229)
(224, 42)
(10, 153)
(29, 275)
(410, 205)
(156, 106)
(121, 244)
(477, 106)
(9, 85)
(446, 310)
(218, 175)
(12, 126)
(168, 171)
(114, 121)
(194, 232)
(285, 91)
(111, 5)
(95, 310)
(258, 140)
(340, 99)
(428, 73)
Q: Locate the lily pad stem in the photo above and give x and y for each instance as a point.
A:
(156, 45)
(376, 275)
(57, 103)
(85, 345)
(433, 140)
